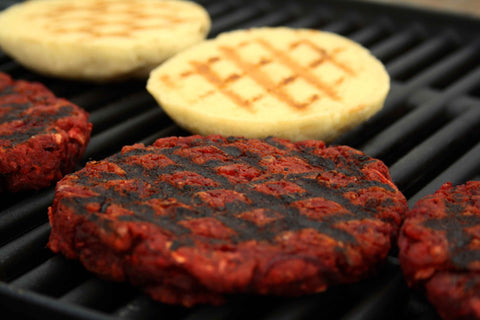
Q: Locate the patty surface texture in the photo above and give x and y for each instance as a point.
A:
(192, 219)
(440, 249)
(41, 136)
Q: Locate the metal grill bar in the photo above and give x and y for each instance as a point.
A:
(396, 103)
(437, 148)
(98, 294)
(15, 219)
(17, 255)
(233, 18)
(372, 33)
(397, 43)
(41, 307)
(406, 128)
(418, 58)
(112, 139)
(382, 303)
(52, 277)
(308, 19)
(460, 171)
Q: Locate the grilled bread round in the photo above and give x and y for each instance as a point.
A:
(192, 219)
(100, 39)
(291, 83)
(440, 249)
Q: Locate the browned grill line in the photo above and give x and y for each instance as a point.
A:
(305, 73)
(261, 78)
(324, 56)
(211, 76)
(92, 21)
(185, 163)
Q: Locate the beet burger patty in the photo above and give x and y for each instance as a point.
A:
(41, 136)
(191, 219)
(440, 249)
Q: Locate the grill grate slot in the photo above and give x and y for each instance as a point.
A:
(111, 140)
(428, 158)
(342, 27)
(24, 252)
(418, 59)
(142, 307)
(460, 171)
(475, 92)
(218, 9)
(426, 133)
(269, 18)
(125, 108)
(406, 128)
(53, 277)
(309, 19)
(381, 304)
(25, 215)
(233, 18)
(397, 44)
(372, 34)
(397, 105)
(99, 294)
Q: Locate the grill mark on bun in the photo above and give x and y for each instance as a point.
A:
(325, 56)
(300, 70)
(260, 78)
(252, 71)
(93, 24)
(211, 76)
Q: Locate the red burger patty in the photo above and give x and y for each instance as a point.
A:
(41, 136)
(440, 249)
(191, 219)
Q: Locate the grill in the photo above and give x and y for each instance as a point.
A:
(427, 134)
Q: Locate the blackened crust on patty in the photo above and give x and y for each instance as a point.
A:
(191, 219)
(440, 249)
(41, 136)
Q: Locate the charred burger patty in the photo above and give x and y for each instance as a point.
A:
(191, 219)
(440, 249)
(41, 136)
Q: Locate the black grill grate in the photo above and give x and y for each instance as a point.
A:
(427, 134)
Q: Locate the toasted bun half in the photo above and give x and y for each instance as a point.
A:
(291, 83)
(100, 39)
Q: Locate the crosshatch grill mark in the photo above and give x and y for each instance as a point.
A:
(252, 198)
(255, 73)
(93, 24)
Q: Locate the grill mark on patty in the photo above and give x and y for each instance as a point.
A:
(33, 125)
(245, 229)
(16, 109)
(29, 119)
(329, 165)
(454, 225)
(5, 91)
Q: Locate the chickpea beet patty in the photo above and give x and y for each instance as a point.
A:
(41, 136)
(192, 219)
(440, 249)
